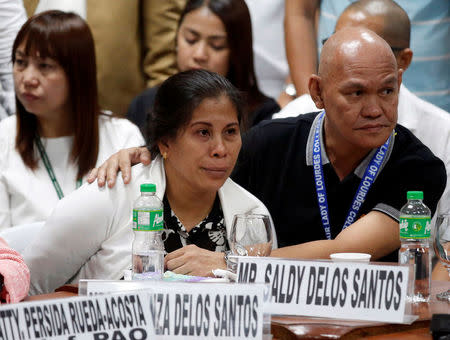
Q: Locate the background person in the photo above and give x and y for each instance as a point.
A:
(58, 133)
(12, 17)
(195, 139)
(309, 22)
(134, 43)
(215, 36)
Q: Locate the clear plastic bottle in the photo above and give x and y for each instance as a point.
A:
(415, 232)
(148, 247)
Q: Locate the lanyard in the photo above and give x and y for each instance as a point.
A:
(49, 168)
(366, 182)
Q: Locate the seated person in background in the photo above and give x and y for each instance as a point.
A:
(215, 36)
(58, 133)
(335, 181)
(14, 275)
(195, 141)
(423, 119)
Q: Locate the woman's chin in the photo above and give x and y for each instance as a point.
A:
(212, 183)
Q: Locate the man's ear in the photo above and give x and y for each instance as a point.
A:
(404, 58)
(315, 90)
(400, 77)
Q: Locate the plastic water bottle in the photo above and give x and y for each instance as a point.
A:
(415, 232)
(148, 247)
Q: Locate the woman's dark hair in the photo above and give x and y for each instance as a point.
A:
(235, 16)
(178, 97)
(66, 38)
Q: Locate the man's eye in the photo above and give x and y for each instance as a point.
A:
(387, 91)
(357, 93)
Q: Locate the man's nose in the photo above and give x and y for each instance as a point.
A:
(372, 107)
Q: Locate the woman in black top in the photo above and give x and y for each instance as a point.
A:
(215, 35)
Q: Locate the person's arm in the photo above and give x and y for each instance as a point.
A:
(300, 36)
(14, 273)
(376, 234)
(284, 98)
(160, 23)
(71, 236)
(120, 161)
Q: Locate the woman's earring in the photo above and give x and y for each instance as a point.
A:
(164, 155)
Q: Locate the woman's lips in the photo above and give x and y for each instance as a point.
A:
(29, 96)
(216, 172)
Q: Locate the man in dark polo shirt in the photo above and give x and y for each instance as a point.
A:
(280, 161)
(349, 167)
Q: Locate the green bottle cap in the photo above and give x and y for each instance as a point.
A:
(414, 195)
(148, 187)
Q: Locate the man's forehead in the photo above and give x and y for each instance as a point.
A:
(363, 82)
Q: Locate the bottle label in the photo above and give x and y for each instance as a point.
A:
(148, 220)
(415, 228)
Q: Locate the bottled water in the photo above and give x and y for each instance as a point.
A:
(415, 232)
(148, 247)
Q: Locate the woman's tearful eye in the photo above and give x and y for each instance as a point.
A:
(203, 133)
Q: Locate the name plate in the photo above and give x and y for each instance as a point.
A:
(344, 290)
(168, 310)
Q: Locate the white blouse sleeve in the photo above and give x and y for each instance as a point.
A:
(79, 235)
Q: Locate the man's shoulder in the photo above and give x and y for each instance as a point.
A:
(284, 126)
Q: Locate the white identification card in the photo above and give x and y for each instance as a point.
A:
(344, 290)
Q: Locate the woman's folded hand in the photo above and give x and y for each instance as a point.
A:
(192, 260)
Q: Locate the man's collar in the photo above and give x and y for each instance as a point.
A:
(360, 169)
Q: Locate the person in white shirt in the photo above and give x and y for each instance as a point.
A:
(426, 121)
(12, 16)
(58, 132)
(194, 137)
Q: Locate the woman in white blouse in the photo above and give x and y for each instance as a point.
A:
(195, 140)
(58, 132)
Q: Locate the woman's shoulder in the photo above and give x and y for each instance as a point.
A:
(121, 128)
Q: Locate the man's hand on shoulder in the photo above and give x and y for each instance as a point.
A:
(120, 161)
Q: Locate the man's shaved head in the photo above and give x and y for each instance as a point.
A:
(384, 17)
(357, 85)
(353, 43)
